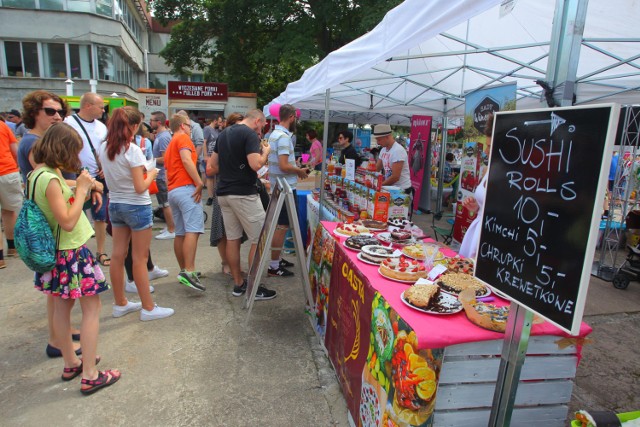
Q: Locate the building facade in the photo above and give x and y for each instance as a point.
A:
(114, 44)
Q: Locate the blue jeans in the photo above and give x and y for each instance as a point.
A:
(136, 217)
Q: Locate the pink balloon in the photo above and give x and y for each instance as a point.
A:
(274, 110)
(298, 113)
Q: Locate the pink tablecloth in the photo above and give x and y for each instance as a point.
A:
(434, 331)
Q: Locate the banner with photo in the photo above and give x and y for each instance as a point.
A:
(418, 150)
(478, 106)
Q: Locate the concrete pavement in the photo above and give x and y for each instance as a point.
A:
(201, 367)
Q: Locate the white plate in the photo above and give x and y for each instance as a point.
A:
(386, 238)
(446, 300)
(411, 282)
(336, 232)
(366, 261)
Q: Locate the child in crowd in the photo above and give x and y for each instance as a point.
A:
(77, 274)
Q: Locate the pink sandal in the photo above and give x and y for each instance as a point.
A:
(105, 379)
(75, 371)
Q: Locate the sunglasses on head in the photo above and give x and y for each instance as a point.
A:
(52, 112)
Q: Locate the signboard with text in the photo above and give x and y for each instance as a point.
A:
(548, 173)
(150, 102)
(199, 91)
(418, 151)
(348, 326)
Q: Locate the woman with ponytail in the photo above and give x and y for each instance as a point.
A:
(129, 211)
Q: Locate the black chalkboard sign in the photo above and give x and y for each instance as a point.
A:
(547, 177)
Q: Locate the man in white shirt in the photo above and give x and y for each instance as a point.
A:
(93, 132)
(393, 161)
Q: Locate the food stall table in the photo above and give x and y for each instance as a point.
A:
(397, 364)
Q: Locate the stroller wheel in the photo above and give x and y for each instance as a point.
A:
(620, 281)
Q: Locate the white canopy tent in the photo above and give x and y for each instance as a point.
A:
(426, 55)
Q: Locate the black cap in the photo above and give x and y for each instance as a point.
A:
(15, 113)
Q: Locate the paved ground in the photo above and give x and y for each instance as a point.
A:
(202, 367)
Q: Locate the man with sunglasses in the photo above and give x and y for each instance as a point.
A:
(93, 132)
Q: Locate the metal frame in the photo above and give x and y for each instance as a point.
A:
(619, 200)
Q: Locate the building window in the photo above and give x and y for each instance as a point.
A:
(24, 4)
(80, 61)
(22, 59)
(52, 4)
(105, 63)
(104, 8)
(79, 5)
(54, 58)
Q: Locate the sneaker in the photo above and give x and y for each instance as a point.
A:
(209, 201)
(156, 313)
(284, 263)
(264, 294)
(191, 280)
(121, 310)
(3, 264)
(157, 273)
(13, 252)
(166, 235)
(239, 290)
(279, 272)
(130, 286)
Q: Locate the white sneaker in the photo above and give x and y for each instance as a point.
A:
(166, 235)
(130, 286)
(157, 273)
(121, 310)
(156, 313)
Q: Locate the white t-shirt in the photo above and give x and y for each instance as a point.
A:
(396, 154)
(118, 175)
(97, 132)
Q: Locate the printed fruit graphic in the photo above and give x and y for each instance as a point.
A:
(426, 389)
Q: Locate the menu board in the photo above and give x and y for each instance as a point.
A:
(548, 172)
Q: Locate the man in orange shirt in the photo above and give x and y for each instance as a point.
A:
(185, 190)
(10, 188)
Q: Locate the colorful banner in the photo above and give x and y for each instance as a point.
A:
(399, 381)
(478, 106)
(363, 140)
(320, 266)
(348, 326)
(418, 150)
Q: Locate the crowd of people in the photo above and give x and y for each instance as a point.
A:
(80, 163)
(74, 164)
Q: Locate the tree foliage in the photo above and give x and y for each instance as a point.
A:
(257, 45)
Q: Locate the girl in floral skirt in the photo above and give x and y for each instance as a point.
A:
(77, 274)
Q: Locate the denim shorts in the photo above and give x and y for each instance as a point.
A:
(187, 214)
(136, 217)
(100, 214)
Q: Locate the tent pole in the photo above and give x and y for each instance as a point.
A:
(564, 49)
(443, 152)
(325, 138)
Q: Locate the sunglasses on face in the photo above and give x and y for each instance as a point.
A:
(52, 112)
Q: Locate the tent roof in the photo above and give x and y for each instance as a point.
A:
(425, 56)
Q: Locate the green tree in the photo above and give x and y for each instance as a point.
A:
(257, 45)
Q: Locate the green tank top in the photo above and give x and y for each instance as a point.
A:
(82, 232)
